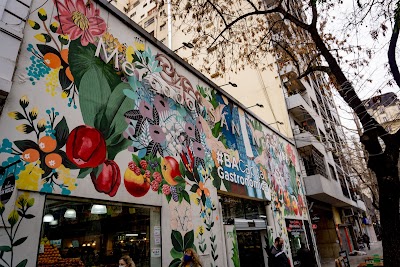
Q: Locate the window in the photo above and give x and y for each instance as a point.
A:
(136, 3)
(152, 33)
(162, 27)
(385, 119)
(145, 4)
(133, 14)
(142, 16)
(382, 110)
(82, 234)
(149, 22)
(163, 41)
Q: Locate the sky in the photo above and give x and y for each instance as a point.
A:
(375, 70)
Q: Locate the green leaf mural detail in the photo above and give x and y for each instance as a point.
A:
(94, 92)
(175, 263)
(176, 254)
(19, 241)
(177, 241)
(22, 263)
(117, 105)
(62, 133)
(81, 59)
(188, 240)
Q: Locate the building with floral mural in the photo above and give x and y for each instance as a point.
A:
(113, 145)
(302, 110)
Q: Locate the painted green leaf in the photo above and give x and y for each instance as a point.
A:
(194, 188)
(25, 144)
(19, 241)
(22, 263)
(176, 254)
(5, 248)
(168, 197)
(177, 241)
(186, 196)
(188, 240)
(94, 92)
(217, 179)
(65, 82)
(84, 172)
(62, 133)
(113, 150)
(117, 105)
(65, 161)
(175, 263)
(81, 59)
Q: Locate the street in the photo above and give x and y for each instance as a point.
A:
(376, 248)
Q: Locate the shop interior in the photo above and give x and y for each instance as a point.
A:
(79, 232)
(249, 217)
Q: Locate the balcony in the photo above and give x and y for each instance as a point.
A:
(320, 188)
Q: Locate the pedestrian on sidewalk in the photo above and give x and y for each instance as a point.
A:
(305, 256)
(365, 238)
(276, 255)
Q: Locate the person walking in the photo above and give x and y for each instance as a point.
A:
(126, 261)
(365, 238)
(305, 256)
(276, 255)
(190, 259)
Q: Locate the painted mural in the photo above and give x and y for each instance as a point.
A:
(101, 113)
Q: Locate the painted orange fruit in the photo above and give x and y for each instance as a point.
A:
(30, 155)
(64, 55)
(199, 192)
(53, 160)
(206, 192)
(201, 185)
(69, 74)
(47, 144)
(52, 60)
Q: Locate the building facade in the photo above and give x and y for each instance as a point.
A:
(312, 123)
(113, 145)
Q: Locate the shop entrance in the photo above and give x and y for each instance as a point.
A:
(250, 248)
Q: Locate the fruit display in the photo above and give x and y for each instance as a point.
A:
(52, 257)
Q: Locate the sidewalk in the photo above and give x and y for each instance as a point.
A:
(376, 248)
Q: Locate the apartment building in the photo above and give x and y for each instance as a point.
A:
(385, 108)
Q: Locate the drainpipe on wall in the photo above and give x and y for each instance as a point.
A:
(169, 24)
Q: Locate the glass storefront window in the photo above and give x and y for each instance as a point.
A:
(78, 232)
(234, 207)
(296, 236)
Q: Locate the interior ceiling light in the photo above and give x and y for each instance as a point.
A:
(54, 222)
(70, 214)
(48, 218)
(98, 209)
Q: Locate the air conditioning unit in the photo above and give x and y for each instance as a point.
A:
(296, 129)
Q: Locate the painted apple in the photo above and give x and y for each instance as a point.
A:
(170, 170)
(109, 178)
(86, 147)
(136, 185)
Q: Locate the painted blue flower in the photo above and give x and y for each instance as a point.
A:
(208, 203)
(46, 188)
(6, 146)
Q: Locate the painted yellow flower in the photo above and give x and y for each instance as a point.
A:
(15, 115)
(129, 52)
(30, 177)
(55, 24)
(13, 217)
(24, 101)
(41, 124)
(194, 199)
(34, 112)
(23, 128)
(199, 231)
(64, 94)
(113, 43)
(64, 174)
(139, 46)
(22, 200)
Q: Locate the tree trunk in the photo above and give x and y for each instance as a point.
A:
(384, 164)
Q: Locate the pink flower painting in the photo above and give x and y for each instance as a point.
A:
(79, 19)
